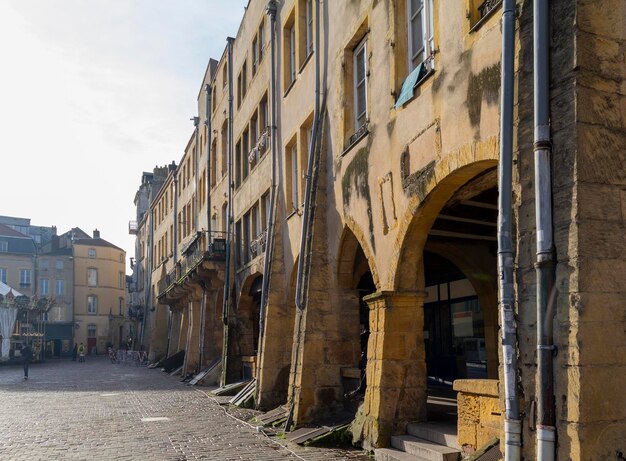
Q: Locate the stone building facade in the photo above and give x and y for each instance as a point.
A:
(334, 216)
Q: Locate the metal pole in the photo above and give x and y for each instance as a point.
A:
(207, 122)
(546, 431)
(512, 423)
(271, 10)
(226, 302)
(305, 243)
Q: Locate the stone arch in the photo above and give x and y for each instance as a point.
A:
(419, 218)
(247, 325)
(351, 239)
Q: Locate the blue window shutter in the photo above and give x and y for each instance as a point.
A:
(406, 93)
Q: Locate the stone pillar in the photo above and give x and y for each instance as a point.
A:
(174, 330)
(157, 339)
(396, 366)
(192, 347)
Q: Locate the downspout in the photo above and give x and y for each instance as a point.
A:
(546, 430)
(305, 242)
(148, 287)
(175, 256)
(512, 422)
(196, 157)
(271, 10)
(207, 122)
(229, 224)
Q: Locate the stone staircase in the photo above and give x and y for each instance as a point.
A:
(429, 441)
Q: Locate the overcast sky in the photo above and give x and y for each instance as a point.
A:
(93, 93)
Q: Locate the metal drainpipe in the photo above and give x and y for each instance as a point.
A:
(229, 223)
(271, 10)
(304, 234)
(196, 158)
(148, 287)
(300, 282)
(546, 430)
(207, 122)
(512, 422)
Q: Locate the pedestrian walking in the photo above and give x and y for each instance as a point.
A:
(81, 353)
(74, 352)
(27, 356)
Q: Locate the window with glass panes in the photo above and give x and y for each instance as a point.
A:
(360, 84)
(420, 32)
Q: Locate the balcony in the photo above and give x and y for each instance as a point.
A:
(205, 246)
(487, 7)
(257, 245)
(133, 227)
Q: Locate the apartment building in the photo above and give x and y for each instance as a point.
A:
(336, 230)
(99, 291)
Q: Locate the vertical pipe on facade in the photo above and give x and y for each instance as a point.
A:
(305, 241)
(148, 287)
(512, 423)
(546, 431)
(229, 223)
(207, 122)
(271, 10)
(196, 163)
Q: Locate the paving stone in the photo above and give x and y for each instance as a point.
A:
(93, 410)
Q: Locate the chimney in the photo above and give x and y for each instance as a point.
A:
(96, 234)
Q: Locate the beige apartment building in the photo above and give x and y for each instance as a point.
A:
(99, 291)
(336, 228)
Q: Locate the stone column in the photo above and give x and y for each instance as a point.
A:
(396, 366)
(192, 348)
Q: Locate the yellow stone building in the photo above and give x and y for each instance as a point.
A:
(99, 291)
(331, 230)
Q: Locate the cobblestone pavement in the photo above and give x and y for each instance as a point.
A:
(100, 411)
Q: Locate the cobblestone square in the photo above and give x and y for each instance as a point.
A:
(102, 411)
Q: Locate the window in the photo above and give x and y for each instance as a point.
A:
(92, 304)
(92, 277)
(3, 274)
(225, 75)
(292, 54)
(4, 246)
(121, 305)
(60, 287)
(360, 84)
(289, 51)
(246, 238)
(261, 41)
(59, 264)
(24, 277)
(43, 287)
(309, 26)
(481, 9)
(224, 148)
(92, 330)
(292, 162)
(57, 313)
(122, 279)
(420, 32)
(91, 253)
(255, 56)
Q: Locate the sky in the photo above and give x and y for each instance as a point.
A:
(92, 94)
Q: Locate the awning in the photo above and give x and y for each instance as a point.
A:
(59, 331)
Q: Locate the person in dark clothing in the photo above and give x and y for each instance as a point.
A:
(75, 352)
(27, 356)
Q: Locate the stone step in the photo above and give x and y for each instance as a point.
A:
(389, 454)
(424, 449)
(437, 432)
